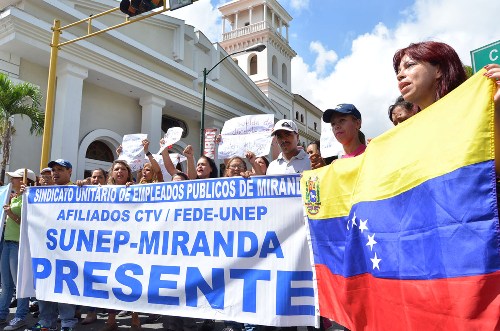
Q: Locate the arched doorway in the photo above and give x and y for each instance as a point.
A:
(98, 155)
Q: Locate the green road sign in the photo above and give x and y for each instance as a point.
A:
(485, 55)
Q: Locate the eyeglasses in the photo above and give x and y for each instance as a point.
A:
(236, 167)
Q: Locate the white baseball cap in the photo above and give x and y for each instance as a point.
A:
(287, 125)
(19, 173)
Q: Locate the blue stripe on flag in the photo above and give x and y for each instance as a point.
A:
(419, 234)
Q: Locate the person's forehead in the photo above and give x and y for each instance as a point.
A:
(401, 110)
(405, 59)
(336, 116)
(284, 132)
(58, 167)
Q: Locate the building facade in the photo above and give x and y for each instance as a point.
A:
(249, 22)
(143, 77)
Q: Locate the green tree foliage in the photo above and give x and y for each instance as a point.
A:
(468, 71)
(17, 99)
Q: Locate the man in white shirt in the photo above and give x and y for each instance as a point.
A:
(291, 160)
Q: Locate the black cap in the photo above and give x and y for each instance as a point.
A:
(343, 108)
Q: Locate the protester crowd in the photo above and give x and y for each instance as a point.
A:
(425, 72)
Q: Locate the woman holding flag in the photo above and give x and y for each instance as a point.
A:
(427, 71)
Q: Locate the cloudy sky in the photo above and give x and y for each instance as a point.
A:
(345, 47)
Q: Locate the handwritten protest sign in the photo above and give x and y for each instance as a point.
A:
(133, 151)
(215, 249)
(329, 144)
(246, 133)
(172, 136)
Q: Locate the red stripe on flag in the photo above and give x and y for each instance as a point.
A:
(367, 303)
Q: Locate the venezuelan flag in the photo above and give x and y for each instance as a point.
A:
(407, 236)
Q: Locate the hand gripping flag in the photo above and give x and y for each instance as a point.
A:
(406, 236)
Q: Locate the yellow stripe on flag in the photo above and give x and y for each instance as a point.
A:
(454, 132)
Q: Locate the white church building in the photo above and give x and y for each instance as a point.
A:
(146, 77)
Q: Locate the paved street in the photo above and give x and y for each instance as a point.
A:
(123, 322)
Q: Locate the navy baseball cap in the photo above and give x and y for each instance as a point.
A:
(61, 162)
(343, 108)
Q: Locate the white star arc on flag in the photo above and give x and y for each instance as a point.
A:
(376, 261)
(371, 241)
(353, 220)
(362, 225)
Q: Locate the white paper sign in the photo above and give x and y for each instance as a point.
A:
(329, 144)
(246, 133)
(133, 151)
(172, 136)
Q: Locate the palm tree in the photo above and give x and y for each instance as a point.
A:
(21, 99)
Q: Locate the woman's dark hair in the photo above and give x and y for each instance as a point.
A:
(361, 137)
(440, 55)
(181, 174)
(213, 172)
(400, 102)
(266, 161)
(104, 173)
(316, 142)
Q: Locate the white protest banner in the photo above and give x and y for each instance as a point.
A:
(246, 133)
(4, 199)
(209, 148)
(133, 151)
(172, 136)
(215, 249)
(329, 144)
